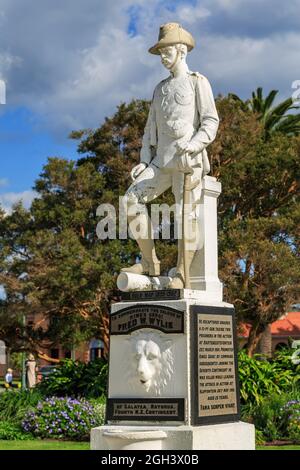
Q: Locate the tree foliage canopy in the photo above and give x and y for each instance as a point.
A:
(274, 118)
(52, 263)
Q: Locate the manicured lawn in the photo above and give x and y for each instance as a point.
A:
(69, 445)
(43, 445)
(291, 447)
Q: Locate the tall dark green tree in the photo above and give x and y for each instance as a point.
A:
(259, 217)
(52, 262)
(259, 250)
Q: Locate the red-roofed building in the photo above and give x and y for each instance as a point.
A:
(282, 330)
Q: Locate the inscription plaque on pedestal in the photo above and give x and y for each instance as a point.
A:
(157, 317)
(147, 409)
(214, 361)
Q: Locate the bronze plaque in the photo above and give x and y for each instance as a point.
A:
(165, 319)
(215, 368)
(216, 375)
(152, 409)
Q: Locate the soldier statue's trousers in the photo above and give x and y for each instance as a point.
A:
(154, 181)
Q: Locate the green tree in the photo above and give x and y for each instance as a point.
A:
(53, 264)
(259, 217)
(274, 118)
(258, 207)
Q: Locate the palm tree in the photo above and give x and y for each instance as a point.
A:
(275, 119)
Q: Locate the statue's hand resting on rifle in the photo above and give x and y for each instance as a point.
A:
(137, 170)
(186, 152)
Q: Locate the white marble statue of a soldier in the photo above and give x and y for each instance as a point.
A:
(182, 122)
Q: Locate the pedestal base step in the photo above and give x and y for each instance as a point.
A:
(229, 436)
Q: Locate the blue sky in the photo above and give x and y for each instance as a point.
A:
(73, 61)
(25, 148)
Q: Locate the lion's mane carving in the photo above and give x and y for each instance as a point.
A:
(151, 364)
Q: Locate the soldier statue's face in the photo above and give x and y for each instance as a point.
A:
(169, 56)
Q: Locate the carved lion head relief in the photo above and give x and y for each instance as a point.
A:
(152, 363)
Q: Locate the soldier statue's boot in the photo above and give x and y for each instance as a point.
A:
(177, 282)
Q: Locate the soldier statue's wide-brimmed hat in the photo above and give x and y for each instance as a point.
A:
(171, 34)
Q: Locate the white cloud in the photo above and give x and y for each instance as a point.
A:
(73, 62)
(7, 200)
(7, 62)
(241, 64)
(191, 14)
(107, 73)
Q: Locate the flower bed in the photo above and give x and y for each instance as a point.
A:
(65, 418)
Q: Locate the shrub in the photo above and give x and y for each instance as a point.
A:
(291, 414)
(62, 418)
(100, 411)
(284, 362)
(14, 403)
(12, 432)
(259, 437)
(276, 417)
(74, 378)
(261, 378)
(268, 418)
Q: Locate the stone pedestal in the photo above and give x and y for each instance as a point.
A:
(229, 436)
(173, 380)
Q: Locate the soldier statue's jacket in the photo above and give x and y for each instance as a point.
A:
(182, 108)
